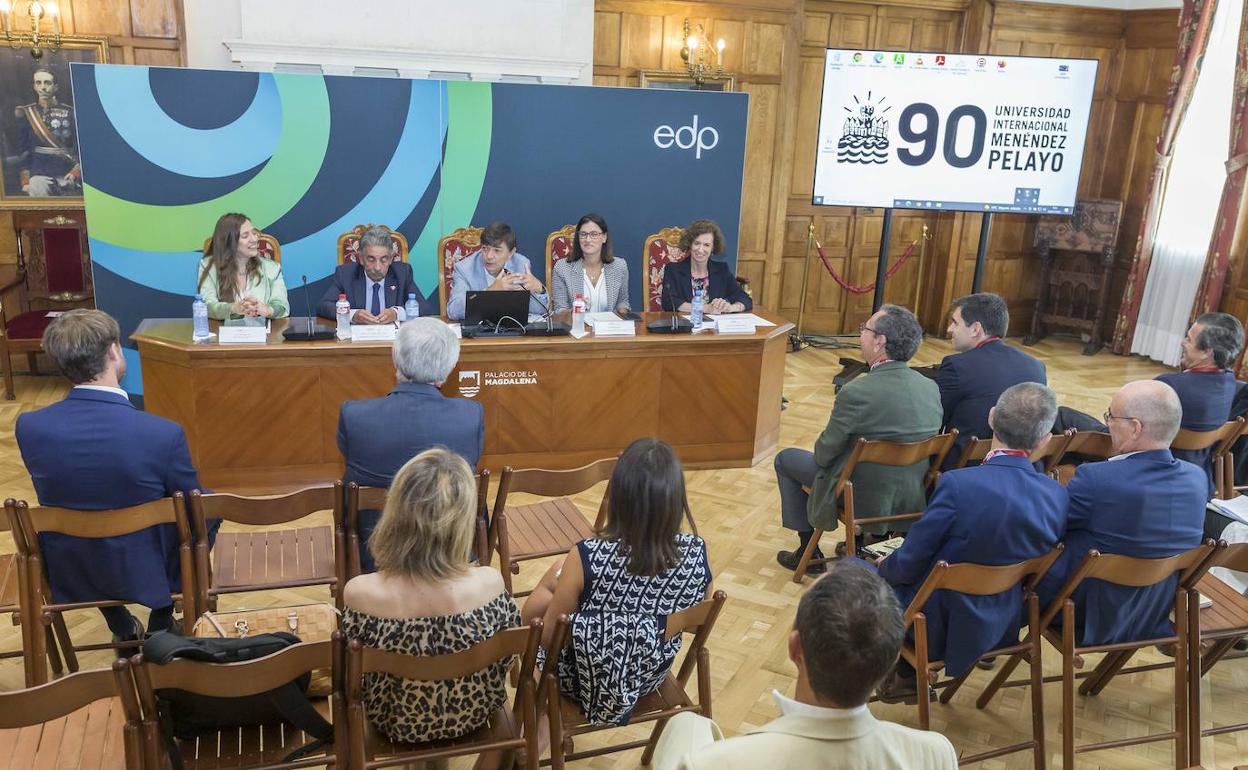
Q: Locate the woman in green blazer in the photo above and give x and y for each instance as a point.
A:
(234, 279)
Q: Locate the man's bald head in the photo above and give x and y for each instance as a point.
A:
(1154, 409)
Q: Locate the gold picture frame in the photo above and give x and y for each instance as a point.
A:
(34, 139)
(679, 80)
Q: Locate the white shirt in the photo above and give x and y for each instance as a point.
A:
(790, 707)
(369, 283)
(1128, 454)
(106, 389)
(596, 296)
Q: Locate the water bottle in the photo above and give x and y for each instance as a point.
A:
(411, 309)
(695, 310)
(343, 309)
(199, 319)
(578, 315)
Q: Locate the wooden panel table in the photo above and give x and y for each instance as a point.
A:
(267, 415)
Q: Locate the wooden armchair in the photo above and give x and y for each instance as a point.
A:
(506, 731)
(1125, 571)
(374, 498)
(892, 453)
(1218, 627)
(75, 722)
(1219, 440)
(53, 273)
(13, 576)
(977, 449)
(567, 720)
(558, 246)
(261, 560)
(977, 580)
(349, 244)
(1086, 444)
(39, 609)
(548, 528)
(460, 244)
(256, 747)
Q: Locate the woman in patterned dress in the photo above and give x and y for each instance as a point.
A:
(620, 586)
(426, 598)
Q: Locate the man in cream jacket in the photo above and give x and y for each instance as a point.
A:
(845, 640)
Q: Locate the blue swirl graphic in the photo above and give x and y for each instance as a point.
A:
(126, 95)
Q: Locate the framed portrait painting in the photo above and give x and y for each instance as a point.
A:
(38, 132)
(681, 81)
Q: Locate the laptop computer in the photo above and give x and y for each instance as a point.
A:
(502, 313)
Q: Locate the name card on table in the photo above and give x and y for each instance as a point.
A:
(243, 335)
(373, 332)
(615, 329)
(726, 324)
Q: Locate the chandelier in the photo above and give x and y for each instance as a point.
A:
(694, 54)
(36, 39)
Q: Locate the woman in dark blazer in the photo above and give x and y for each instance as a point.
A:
(721, 292)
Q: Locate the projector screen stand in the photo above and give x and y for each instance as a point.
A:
(985, 229)
(881, 267)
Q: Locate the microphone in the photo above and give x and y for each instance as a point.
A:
(312, 333)
(551, 328)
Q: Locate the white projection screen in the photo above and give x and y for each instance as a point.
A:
(962, 132)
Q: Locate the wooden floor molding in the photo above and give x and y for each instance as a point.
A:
(738, 512)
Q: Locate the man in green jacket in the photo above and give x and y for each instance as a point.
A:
(892, 402)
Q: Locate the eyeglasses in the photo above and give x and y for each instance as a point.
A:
(586, 235)
(862, 327)
(1109, 416)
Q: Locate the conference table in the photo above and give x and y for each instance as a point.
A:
(266, 415)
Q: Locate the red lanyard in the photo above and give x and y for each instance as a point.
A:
(990, 339)
(1006, 453)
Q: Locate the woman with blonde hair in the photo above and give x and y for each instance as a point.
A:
(426, 598)
(234, 279)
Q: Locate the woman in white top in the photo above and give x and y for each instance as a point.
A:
(592, 271)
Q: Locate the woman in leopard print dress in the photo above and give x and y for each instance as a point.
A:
(426, 598)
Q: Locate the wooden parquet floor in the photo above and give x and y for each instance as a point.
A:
(738, 514)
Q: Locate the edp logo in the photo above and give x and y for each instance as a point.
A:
(687, 137)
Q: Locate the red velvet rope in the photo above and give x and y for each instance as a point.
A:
(871, 286)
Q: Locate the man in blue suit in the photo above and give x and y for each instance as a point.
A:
(1206, 385)
(973, 378)
(378, 435)
(1143, 503)
(95, 451)
(1001, 512)
(377, 286)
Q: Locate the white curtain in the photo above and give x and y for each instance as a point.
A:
(1193, 190)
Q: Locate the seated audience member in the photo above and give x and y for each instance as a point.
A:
(376, 436)
(377, 286)
(1001, 512)
(234, 279)
(1142, 503)
(1206, 385)
(495, 267)
(720, 291)
(844, 641)
(890, 402)
(95, 451)
(980, 369)
(618, 587)
(427, 598)
(592, 271)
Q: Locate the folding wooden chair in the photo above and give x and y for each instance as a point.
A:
(374, 498)
(1218, 627)
(257, 746)
(879, 452)
(567, 720)
(977, 449)
(75, 722)
(12, 589)
(978, 580)
(547, 528)
(507, 729)
(1124, 571)
(241, 562)
(1087, 444)
(39, 610)
(1219, 440)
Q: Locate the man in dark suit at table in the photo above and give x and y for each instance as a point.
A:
(1206, 385)
(377, 286)
(1001, 512)
(980, 370)
(891, 402)
(95, 451)
(378, 435)
(1142, 503)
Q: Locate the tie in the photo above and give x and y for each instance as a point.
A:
(375, 308)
